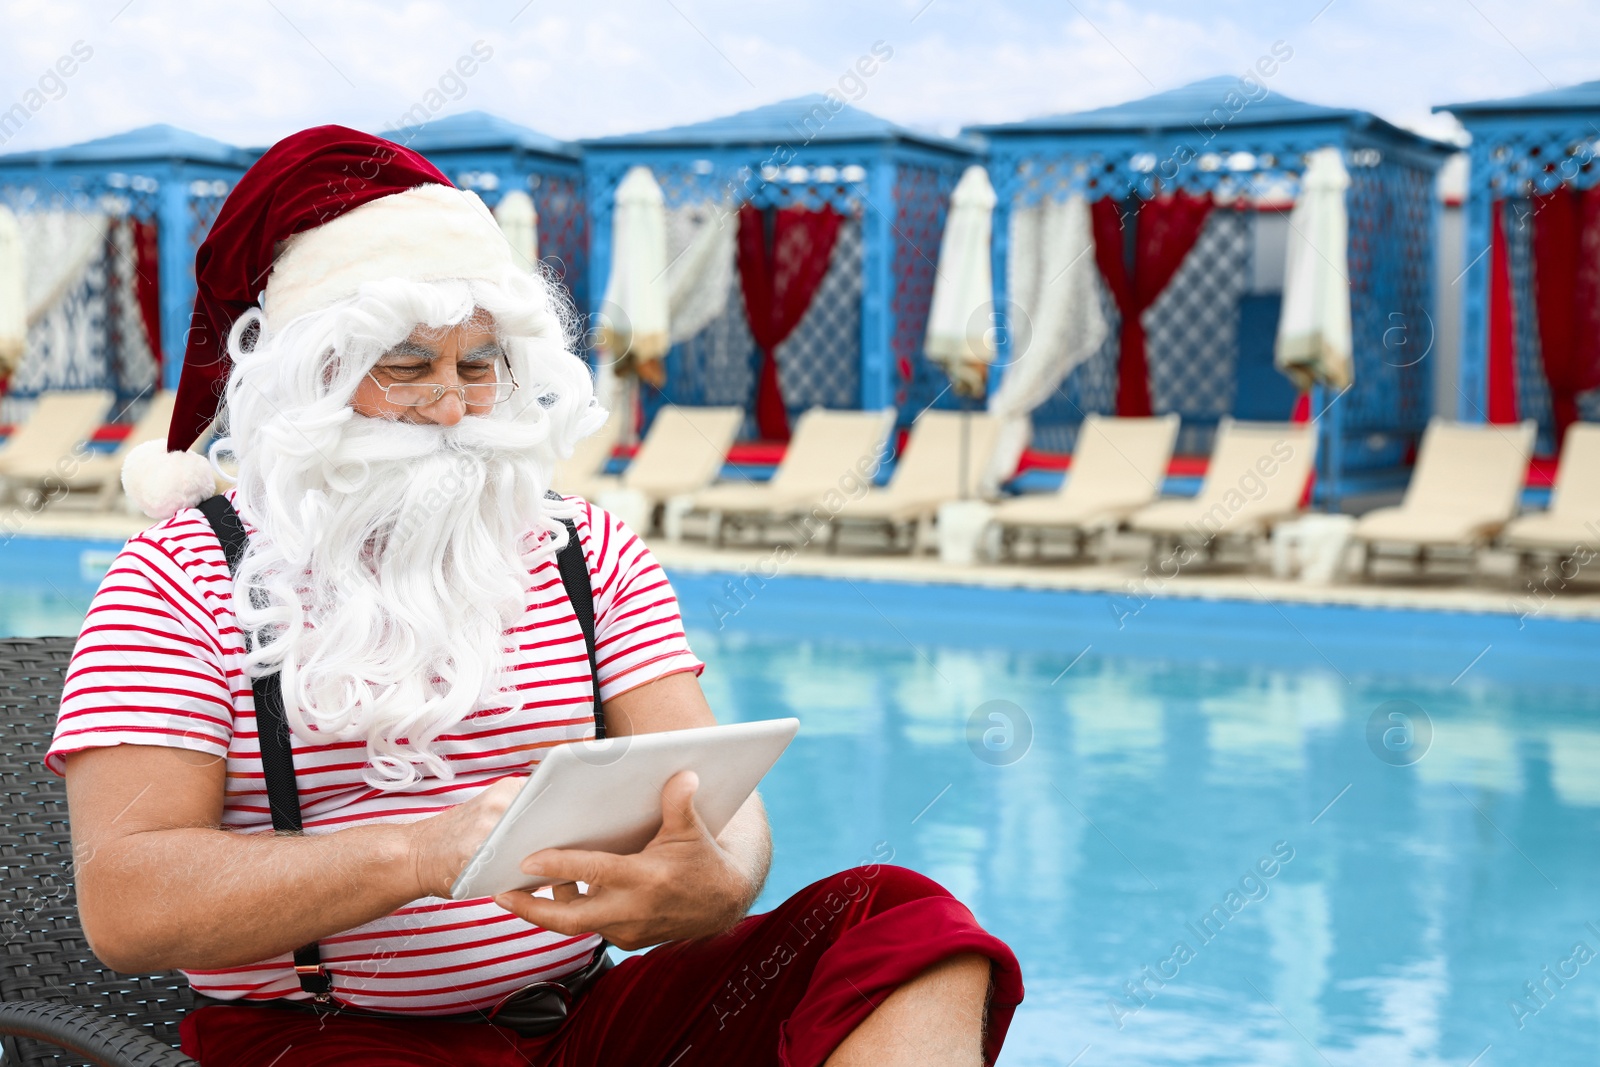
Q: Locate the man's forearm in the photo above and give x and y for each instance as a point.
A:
(748, 841)
(203, 898)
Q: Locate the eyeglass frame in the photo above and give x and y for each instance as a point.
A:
(441, 390)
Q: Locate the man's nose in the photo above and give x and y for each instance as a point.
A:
(447, 410)
(450, 408)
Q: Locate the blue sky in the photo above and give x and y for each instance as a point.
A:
(255, 70)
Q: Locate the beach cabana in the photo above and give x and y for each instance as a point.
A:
(1530, 342)
(494, 157)
(835, 183)
(1197, 182)
(109, 230)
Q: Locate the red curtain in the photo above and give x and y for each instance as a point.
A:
(1566, 260)
(1502, 384)
(779, 277)
(145, 258)
(1164, 230)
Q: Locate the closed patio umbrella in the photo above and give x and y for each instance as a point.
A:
(519, 221)
(634, 329)
(960, 319)
(13, 294)
(1314, 330)
(960, 328)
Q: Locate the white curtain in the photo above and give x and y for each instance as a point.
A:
(702, 245)
(137, 371)
(519, 221)
(58, 247)
(64, 254)
(1314, 330)
(1054, 318)
(960, 321)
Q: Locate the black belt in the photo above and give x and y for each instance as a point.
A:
(532, 1011)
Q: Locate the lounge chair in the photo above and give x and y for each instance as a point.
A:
(682, 453)
(1117, 468)
(1572, 523)
(1256, 479)
(53, 443)
(578, 472)
(927, 474)
(830, 453)
(1466, 486)
(103, 471)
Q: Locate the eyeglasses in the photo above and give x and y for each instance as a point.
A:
(421, 394)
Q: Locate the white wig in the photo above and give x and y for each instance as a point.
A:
(390, 558)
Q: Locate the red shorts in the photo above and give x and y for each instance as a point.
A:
(784, 988)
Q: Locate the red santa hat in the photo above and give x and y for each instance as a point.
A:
(346, 208)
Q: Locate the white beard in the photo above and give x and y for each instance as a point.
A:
(392, 566)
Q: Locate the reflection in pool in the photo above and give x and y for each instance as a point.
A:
(1203, 862)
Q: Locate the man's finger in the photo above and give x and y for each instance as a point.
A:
(678, 815)
(566, 892)
(578, 865)
(581, 916)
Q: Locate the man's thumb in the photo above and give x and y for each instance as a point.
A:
(677, 802)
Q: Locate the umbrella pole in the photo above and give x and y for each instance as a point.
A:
(966, 434)
(1336, 463)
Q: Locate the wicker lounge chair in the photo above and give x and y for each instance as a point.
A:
(44, 451)
(54, 994)
(1572, 523)
(831, 451)
(682, 453)
(1466, 486)
(927, 474)
(580, 472)
(1256, 479)
(1117, 468)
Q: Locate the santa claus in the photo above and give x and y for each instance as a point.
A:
(298, 706)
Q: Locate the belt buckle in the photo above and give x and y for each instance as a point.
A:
(533, 988)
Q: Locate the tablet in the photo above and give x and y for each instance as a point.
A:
(606, 796)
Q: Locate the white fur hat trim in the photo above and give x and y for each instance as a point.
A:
(163, 483)
(427, 233)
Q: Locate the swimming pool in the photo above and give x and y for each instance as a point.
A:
(1213, 832)
(1206, 834)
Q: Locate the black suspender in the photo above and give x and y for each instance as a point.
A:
(272, 726)
(580, 590)
(272, 733)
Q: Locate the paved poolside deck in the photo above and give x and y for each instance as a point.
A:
(1494, 589)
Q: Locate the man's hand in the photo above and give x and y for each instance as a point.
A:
(684, 884)
(442, 845)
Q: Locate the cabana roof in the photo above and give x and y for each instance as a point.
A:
(1196, 105)
(1581, 97)
(479, 131)
(157, 143)
(813, 119)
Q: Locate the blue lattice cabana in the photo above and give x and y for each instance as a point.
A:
(144, 201)
(1525, 152)
(859, 344)
(492, 156)
(1211, 331)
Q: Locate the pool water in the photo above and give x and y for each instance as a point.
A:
(1198, 857)
(1213, 832)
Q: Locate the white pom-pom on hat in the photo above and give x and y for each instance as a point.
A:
(163, 483)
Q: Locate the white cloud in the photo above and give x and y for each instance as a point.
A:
(255, 71)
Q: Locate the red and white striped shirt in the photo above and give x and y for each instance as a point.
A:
(159, 662)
